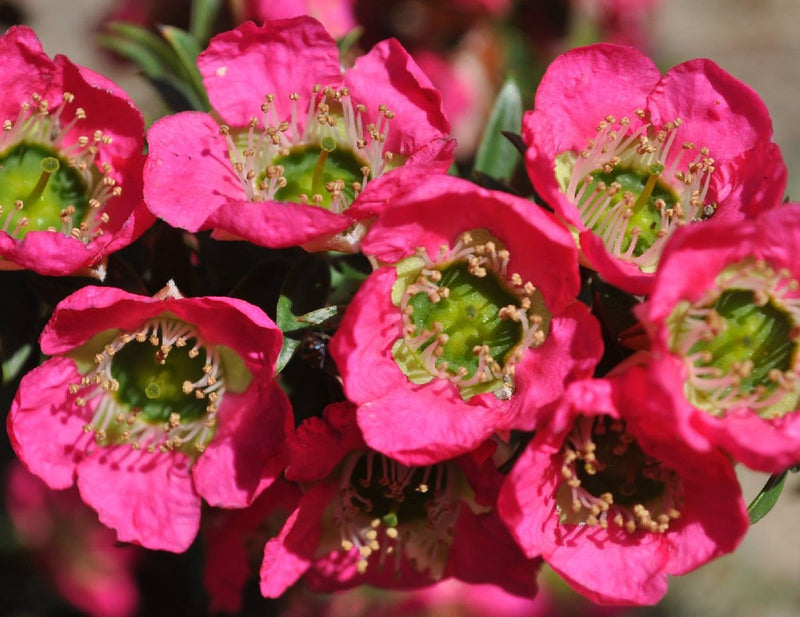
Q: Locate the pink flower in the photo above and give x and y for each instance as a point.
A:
(151, 404)
(470, 327)
(336, 15)
(725, 333)
(369, 519)
(614, 502)
(234, 543)
(299, 139)
(625, 155)
(70, 163)
(82, 557)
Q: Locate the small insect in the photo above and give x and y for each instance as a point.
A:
(314, 349)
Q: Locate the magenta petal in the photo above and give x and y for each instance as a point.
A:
(288, 556)
(583, 86)
(188, 174)
(241, 66)
(718, 110)
(424, 425)
(26, 69)
(147, 498)
(244, 457)
(362, 346)
(46, 437)
(277, 224)
(387, 75)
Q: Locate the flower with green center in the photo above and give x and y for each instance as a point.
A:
(70, 163)
(299, 139)
(151, 404)
(614, 501)
(726, 336)
(626, 155)
(469, 327)
(367, 518)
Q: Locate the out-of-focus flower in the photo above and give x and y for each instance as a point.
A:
(614, 501)
(624, 22)
(299, 140)
(626, 156)
(336, 15)
(153, 403)
(82, 557)
(724, 323)
(366, 518)
(70, 163)
(470, 327)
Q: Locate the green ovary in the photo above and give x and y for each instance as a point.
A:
(759, 334)
(469, 317)
(46, 185)
(647, 188)
(155, 388)
(308, 169)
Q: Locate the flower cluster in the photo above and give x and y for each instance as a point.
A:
(396, 376)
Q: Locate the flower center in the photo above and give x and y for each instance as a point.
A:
(625, 193)
(46, 184)
(385, 508)
(465, 319)
(740, 342)
(155, 390)
(608, 479)
(327, 163)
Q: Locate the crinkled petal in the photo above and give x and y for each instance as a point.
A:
(240, 67)
(48, 438)
(288, 556)
(188, 175)
(718, 111)
(277, 224)
(387, 75)
(246, 454)
(148, 499)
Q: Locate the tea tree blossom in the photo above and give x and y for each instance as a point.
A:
(86, 564)
(367, 518)
(70, 163)
(152, 403)
(626, 156)
(470, 326)
(298, 140)
(614, 501)
(725, 337)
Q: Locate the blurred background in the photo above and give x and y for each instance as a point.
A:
(53, 558)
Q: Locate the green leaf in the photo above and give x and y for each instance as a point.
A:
(186, 50)
(767, 498)
(346, 43)
(14, 364)
(204, 13)
(496, 157)
(149, 52)
(290, 345)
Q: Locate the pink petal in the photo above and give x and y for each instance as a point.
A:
(148, 499)
(188, 174)
(48, 438)
(387, 75)
(241, 66)
(244, 457)
(718, 111)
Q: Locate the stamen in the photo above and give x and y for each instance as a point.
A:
(147, 411)
(633, 220)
